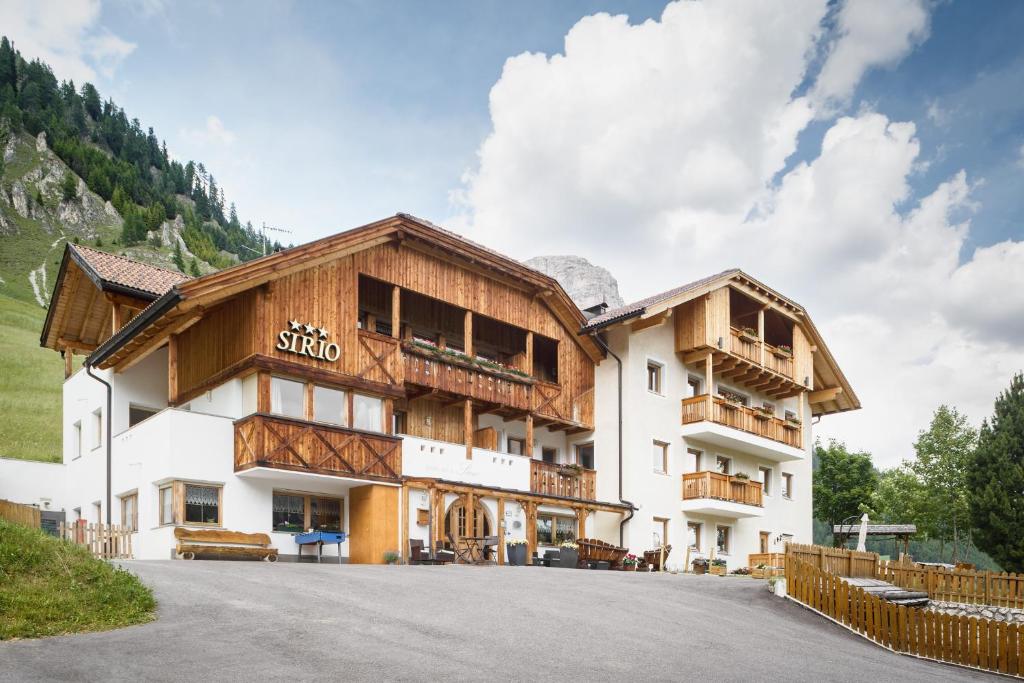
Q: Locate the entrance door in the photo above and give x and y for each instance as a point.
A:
(459, 524)
(764, 541)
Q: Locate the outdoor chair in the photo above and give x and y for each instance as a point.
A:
(418, 554)
(463, 555)
(490, 548)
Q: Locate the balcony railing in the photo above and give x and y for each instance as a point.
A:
(741, 417)
(289, 444)
(453, 375)
(560, 480)
(719, 486)
(749, 349)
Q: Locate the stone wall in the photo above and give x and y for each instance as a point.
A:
(959, 609)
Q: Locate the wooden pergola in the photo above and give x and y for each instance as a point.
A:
(897, 532)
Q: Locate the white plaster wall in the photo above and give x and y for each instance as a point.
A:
(442, 460)
(235, 398)
(33, 483)
(542, 437)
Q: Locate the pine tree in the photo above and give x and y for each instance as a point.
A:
(69, 186)
(8, 65)
(178, 258)
(193, 268)
(996, 479)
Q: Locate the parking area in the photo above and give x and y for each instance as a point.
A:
(254, 621)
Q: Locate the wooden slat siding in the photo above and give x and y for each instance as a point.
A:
(425, 370)
(967, 641)
(104, 542)
(271, 441)
(545, 478)
(26, 515)
(803, 359)
(694, 409)
(721, 487)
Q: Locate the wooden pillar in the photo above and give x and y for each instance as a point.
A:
(309, 401)
(501, 530)
(760, 332)
(529, 436)
(529, 354)
(581, 523)
(530, 512)
(389, 416)
(172, 369)
(709, 385)
(467, 333)
(68, 362)
(396, 318)
(403, 525)
(116, 317)
(467, 415)
(263, 392)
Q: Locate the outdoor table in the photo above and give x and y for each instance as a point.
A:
(474, 545)
(318, 538)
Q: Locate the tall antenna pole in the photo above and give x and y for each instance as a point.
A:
(263, 233)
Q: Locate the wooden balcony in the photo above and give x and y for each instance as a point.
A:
(452, 375)
(741, 417)
(761, 353)
(559, 480)
(723, 487)
(296, 445)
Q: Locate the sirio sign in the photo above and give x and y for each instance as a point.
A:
(307, 340)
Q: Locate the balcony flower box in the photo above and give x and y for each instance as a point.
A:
(791, 423)
(783, 351)
(763, 413)
(571, 470)
(741, 476)
(749, 335)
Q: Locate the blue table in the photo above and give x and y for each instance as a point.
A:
(318, 538)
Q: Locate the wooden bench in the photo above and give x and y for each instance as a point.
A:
(594, 550)
(221, 544)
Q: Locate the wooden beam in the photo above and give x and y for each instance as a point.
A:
(501, 531)
(396, 318)
(116, 317)
(825, 395)
(760, 332)
(87, 315)
(158, 338)
(709, 383)
(529, 354)
(529, 436)
(467, 414)
(68, 362)
(75, 345)
(697, 356)
(172, 369)
(467, 333)
(652, 321)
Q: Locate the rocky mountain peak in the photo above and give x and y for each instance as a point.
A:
(587, 284)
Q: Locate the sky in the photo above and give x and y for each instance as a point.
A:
(863, 157)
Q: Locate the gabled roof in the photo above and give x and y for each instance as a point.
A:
(208, 290)
(112, 271)
(640, 307)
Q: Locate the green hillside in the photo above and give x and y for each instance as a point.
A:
(74, 168)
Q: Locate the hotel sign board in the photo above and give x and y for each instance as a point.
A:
(306, 339)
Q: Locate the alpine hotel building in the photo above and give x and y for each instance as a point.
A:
(399, 382)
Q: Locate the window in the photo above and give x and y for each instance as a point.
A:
(660, 536)
(516, 446)
(693, 386)
(97, 428)
(723, 465)
(766, 479)
(166, 500)
(548, 454)
(585, 455)
(399, 422)
(693, 535)
(654, 372)
(367, 413)
(764, 537)
(76, 440)
(552, 530)
(202, 504)
(137, 414)
(330, 406)
(693, 458)
(787, 485)
(660, 457)
(287, 397)
(723, 540)
(130, 512)
(289, 513)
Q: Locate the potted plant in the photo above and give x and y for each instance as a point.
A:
(763, 412)
(749, 334)
(783, 351)
(568, 555)
(629, 562)
(700, 565)
(391, 557)
(570, 470)
(718, 567)
(742, 476)
(515, 551)
(792, 421)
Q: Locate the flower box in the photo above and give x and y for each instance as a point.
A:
(782, 352)
(749, 336)
(718, 570)
(762, 415)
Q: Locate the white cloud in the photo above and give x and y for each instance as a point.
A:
(213, 132)
(659, 151)
(66, 35)
(1020, 156)
(871, 33)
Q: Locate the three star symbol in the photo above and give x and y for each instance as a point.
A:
(310, 328)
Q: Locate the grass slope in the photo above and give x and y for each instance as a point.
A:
(31, 378)
(50, 587)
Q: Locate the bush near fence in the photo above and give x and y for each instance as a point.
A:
(967, 641)
(19, 514)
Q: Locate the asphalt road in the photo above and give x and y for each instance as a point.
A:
(258, 621)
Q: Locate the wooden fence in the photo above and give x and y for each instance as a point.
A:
(105, 542)
(19, 514)
(968, 641)
(972, 587)
(837, 561)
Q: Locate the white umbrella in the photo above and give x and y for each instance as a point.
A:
(862, 536)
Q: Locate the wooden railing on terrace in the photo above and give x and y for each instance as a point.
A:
(766, 559)
(695, 409)
(750, 349)
(839, 561)
(949, 585)
(453, 375)
(558, 480)
(721, 487)
(290, 444)
(104, 542)
(973, 642)
(550, 400)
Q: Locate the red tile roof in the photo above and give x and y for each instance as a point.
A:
(125, 272)
(637, 307)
